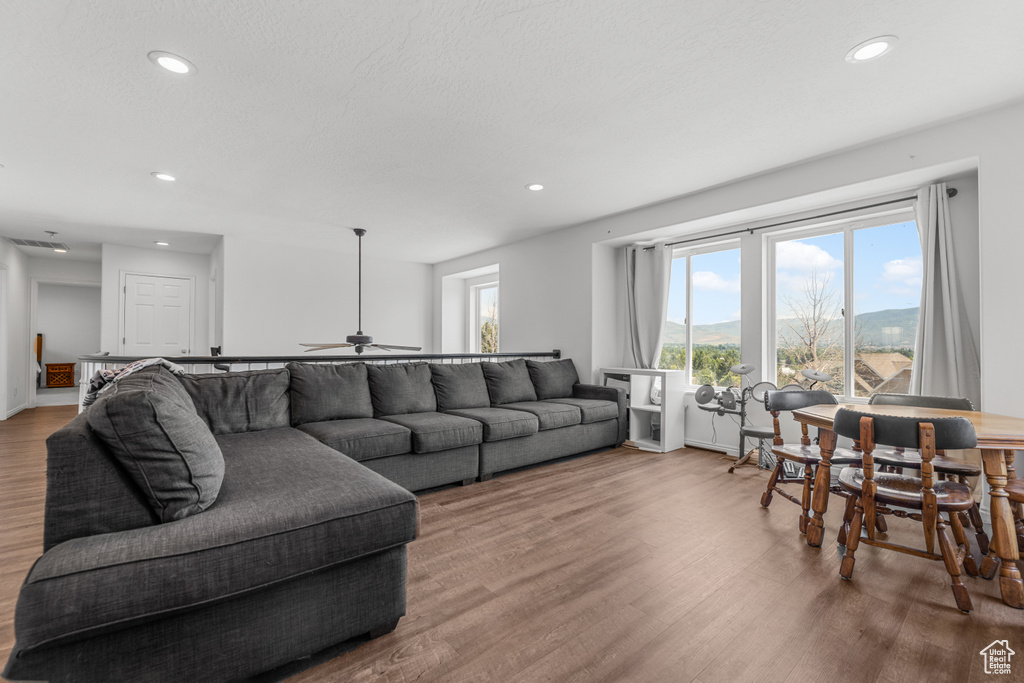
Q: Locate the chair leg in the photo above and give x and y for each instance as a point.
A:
(881, 525)
(963, 599)
(852, 541)
(974, 515)
(766, 497)
(844, 528)
(970, 566)
(805, 500)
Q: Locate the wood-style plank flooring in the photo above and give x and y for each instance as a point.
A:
(618, 566)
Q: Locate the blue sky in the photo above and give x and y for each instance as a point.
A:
(887, 273)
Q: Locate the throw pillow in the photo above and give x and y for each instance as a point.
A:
(459, 386)
(553, 379)
(151, 428)
(508, 382)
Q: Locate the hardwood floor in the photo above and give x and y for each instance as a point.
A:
(618, 566)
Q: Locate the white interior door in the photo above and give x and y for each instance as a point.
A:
(157, 316)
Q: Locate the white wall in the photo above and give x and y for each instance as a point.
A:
(118, 260)
(64, 270)
(68, 316)
(15, 352)
(276, 296)
(551, 285)
(217, 287)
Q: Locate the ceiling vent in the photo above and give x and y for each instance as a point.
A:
(37, 243)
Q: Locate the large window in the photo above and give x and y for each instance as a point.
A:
(702, 333)
(846, 303)
(483, 324)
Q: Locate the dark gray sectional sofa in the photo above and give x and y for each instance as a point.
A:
(212, 527)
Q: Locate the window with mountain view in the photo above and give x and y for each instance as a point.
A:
(846, 303)
(702, 333)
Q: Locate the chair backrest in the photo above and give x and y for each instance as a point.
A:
(779, 400)
(951, 433)
(940, 402)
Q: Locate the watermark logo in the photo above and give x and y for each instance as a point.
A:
(997, 657)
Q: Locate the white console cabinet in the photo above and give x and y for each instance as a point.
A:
(652, 426)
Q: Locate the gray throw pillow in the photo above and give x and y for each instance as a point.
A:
(401, 389)
(151, 428)
(321, 392)
(508, 382)
(553, 379)
(233, 402)
(459, 386)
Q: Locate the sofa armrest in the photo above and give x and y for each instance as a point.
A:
(593, 391)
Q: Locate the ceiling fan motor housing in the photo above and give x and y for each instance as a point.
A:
(359, 338)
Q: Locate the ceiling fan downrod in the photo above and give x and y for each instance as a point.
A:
(359, 339)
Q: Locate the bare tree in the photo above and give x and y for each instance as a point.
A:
(812, 338)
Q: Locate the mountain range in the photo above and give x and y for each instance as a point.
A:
(894, 328)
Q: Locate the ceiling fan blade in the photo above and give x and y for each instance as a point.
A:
(322, 347)
(392, 347)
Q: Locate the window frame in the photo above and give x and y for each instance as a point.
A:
(688, 252)
(847, 226)
(474, 286)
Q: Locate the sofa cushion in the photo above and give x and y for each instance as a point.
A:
(361, 438)
(279, 516)
(401, 389)
(232, 402)
(553, 379)
(150, 426)
(459, 386)
(321, 391)
(591, 410)
(508, 382)
(432, 432)
(499, 423)
(549, 415)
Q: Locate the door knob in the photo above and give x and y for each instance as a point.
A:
(184, 350)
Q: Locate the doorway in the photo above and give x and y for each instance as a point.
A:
(66, 326)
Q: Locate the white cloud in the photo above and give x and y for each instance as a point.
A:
(708, 281)
(804, 257)
(903, 271)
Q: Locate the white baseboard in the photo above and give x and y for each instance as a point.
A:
(731, 451)
(11, 413)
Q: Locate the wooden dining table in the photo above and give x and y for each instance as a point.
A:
(998, 437)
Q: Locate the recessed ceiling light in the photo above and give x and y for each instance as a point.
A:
(163, 176)
(871, 49)
(61, 251)
(173, 63)
(536, 187)
(162, 244)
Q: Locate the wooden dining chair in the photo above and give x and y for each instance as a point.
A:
(804, 454)
(1015, 492)
(899, 459)
(889, 493)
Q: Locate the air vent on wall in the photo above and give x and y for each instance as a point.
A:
(37, 243)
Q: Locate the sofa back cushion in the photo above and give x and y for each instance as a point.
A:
(459, 386)
(321, 392)
(150, 426)
(88, 492)
(508, 382)
(233, 402)
(553, 379)
(401, 389)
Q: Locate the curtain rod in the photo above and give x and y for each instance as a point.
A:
(950, 192)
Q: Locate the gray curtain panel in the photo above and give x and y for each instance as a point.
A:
(946, 358)
(647, 281)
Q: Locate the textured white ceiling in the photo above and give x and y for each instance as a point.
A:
(422, 121)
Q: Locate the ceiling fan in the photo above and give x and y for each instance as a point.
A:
(359, 340)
